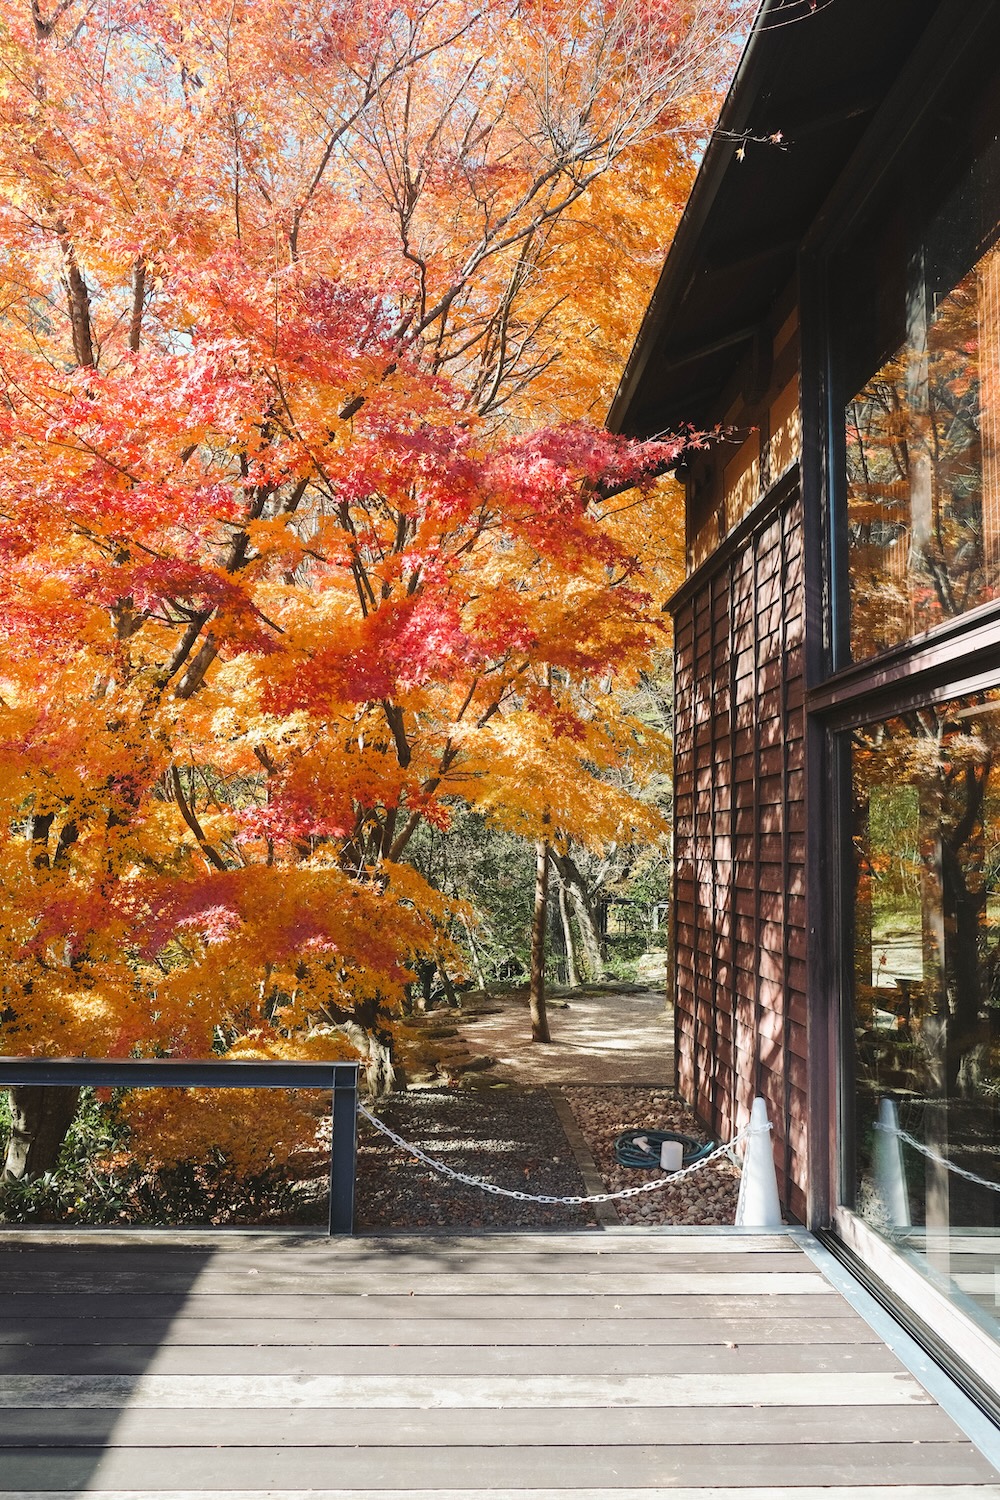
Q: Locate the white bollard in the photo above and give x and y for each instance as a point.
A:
(890, 1176)
(671, 1155)
(757, 1206)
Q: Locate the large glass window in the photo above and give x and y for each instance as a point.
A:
(925, 1069)
(919, 329)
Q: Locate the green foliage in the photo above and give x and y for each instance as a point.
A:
(494, 872)
(97, 1182)
(894, 837)
(648, 881)
(623, 952)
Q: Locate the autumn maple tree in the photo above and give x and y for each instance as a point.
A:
(287, 565)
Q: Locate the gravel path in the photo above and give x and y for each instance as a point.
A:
(513, 1137)
(707, 1196)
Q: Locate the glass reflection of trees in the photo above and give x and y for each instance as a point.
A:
(922, 492)
(926, 795)
(927, 924)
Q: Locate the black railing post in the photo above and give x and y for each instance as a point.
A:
(343, 1151)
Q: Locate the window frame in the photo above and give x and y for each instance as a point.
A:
(960, 655)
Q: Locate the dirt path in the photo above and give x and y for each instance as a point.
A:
(621, 1034)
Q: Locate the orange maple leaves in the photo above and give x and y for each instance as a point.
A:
(275, 583)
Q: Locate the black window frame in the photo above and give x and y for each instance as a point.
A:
(960, 655)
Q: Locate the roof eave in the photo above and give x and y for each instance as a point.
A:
(680, 263)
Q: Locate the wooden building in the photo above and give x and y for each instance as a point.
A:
(832, 303)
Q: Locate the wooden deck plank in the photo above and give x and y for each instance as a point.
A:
(281, 1427)
(468, 1284)
(86, 1262)
(463, 1393)
(808, 1492)
(471, 1287)
(449, 1359)
(319, 1249)
(671, 1240)
(16, 1275)
(623, 1305)
(332, 1332)
(462, 1469)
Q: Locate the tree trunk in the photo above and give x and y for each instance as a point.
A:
(78, 297)
(449, 989)
(583, 910)
(41, 1114)
(861, 854)
(569, 936)
(963, 912)
(477, 962)
(365, 1030)
(539, 922)
(426, 969)
(381, 1074)
(138, 300)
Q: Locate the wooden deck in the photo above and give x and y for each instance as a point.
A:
(532, 1367)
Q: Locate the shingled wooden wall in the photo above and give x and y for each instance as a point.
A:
(740, 839)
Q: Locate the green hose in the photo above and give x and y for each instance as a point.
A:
(629, 1153)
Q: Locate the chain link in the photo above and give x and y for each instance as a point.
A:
(942, 1161)
(573, 1199)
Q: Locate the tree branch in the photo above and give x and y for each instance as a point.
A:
(188, 814)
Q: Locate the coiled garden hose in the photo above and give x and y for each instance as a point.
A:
(641, 1148)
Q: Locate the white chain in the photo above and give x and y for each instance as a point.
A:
(942, 1161)
(502, 1192)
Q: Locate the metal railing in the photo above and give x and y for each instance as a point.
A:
(129, 1073)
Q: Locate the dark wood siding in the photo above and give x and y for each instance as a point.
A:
(740, 841)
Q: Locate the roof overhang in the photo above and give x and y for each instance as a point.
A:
(808, 85)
